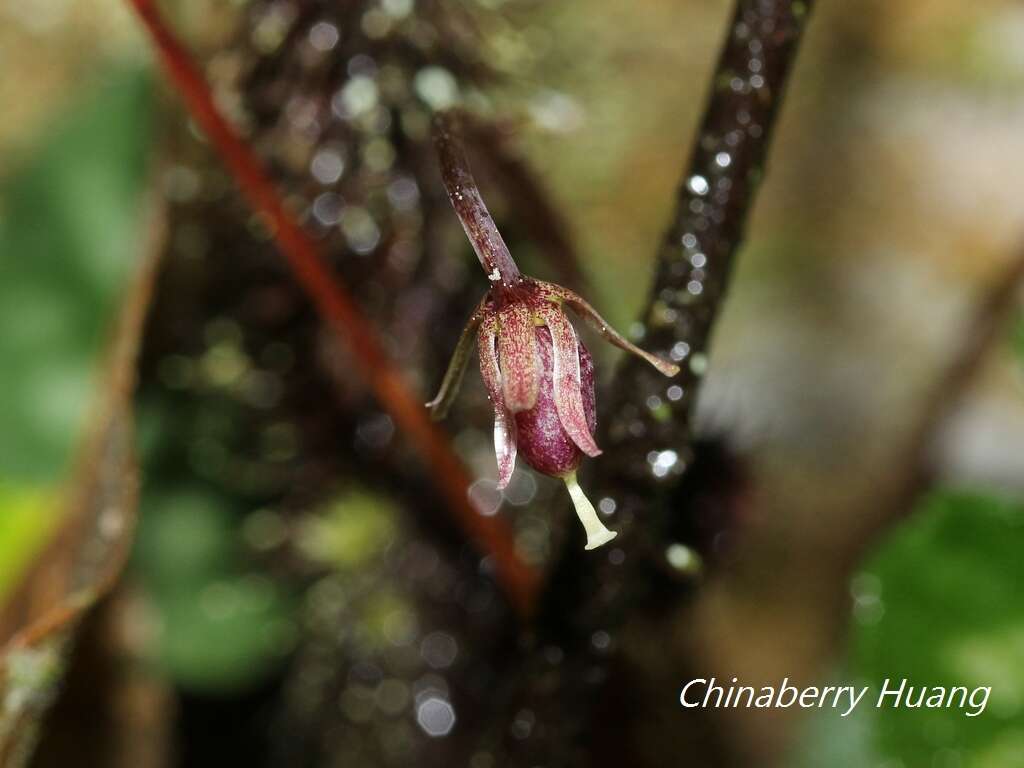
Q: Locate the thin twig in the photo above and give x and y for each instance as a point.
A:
(465, 196)
(491, 535)
(648, 440)
(511, 174)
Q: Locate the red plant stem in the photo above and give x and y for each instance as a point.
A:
(490, 535)
(480, 228)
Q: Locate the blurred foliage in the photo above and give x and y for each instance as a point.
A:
(186, 538)
(26, 516)
(69, 221)
(68, 237)
(355, 528)
(48, 49)
(220, 626)
(828, 739)
(1017, 338)
(940, 604)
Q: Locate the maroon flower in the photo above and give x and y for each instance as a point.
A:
(538, 374)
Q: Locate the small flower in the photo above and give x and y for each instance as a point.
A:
(540, 379)
(539, 375)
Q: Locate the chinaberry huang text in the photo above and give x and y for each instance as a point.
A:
(709, 693)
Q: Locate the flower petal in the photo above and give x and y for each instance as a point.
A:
(580, 306)
(504, 424)
(566, 375)
(517, 355)
(442, 402)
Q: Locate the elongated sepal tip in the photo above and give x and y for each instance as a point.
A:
(597, 534)
(557, 294)
(664, 367)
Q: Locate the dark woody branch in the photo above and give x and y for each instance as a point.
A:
(708, 224)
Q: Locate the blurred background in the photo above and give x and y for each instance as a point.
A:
(294, 595)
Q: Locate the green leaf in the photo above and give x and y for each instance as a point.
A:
(69, 226)
(945, 608)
